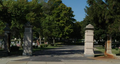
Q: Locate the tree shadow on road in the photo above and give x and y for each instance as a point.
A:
(57, 52)
(57, 55)
(98, 53)
(118, 54)
(11, 54)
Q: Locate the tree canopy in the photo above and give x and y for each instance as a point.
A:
(104, 15)
(49, 18)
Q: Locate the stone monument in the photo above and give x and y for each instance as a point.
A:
(27, 41)
(88, 47)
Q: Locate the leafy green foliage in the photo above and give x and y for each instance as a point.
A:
(59, 19)
(77, 33)
(49, 18)
(104, 15)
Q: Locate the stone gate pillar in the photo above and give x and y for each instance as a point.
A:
(109, 51)
(7, 39)
(88, 46)
(27, 40)
(108, 47)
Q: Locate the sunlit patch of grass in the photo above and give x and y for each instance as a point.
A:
(114, 51)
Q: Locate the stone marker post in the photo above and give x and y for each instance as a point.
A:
(27, 41)
(108, 47)
(88, 47)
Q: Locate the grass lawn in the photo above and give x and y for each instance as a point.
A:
(114, 51)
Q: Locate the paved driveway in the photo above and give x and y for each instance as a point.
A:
(64, 53)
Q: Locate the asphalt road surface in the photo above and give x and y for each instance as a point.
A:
(64, 53)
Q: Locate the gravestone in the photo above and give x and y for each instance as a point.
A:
(88, 47)
(27, 41)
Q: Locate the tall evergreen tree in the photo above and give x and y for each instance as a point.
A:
(104, 15)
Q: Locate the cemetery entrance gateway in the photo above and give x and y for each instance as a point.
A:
(89, 38)
(88, 47)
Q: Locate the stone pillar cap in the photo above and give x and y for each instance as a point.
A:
(89, 27)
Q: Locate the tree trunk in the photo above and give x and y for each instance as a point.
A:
(37, 42)
(40, 39)
(5, 42)
(44, 40)
(8, 42)
(21, 42)
(53, 40)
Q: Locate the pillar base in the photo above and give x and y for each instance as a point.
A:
(89, 55)
(27, 54)
(110, 54)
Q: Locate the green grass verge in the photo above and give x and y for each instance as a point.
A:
(114, 51)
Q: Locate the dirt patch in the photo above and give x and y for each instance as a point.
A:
(108, 57)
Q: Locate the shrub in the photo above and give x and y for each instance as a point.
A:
(14, 48)
(43, 45)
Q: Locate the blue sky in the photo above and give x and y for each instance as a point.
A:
(77, 6)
